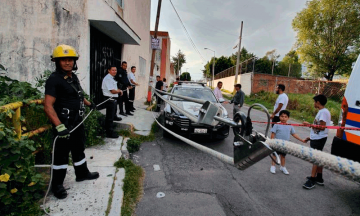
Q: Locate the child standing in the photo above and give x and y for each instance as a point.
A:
(283, 132)
(318, 137)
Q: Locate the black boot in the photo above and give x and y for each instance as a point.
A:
(89, 176)
(57, 184)
(82, 173)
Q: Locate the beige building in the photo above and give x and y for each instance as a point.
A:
(103, 31)
(162, 57)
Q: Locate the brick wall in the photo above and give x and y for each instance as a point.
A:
(267, 82)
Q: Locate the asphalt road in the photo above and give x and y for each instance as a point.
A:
(195, 183)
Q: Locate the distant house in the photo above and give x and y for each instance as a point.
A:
(163, 67)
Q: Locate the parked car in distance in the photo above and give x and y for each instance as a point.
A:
(180, 124)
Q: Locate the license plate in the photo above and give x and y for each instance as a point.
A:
(200, 130)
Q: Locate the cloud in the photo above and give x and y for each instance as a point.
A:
(216, 24)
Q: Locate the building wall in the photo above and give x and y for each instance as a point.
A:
(30, 29)
(137, 15)
(257, 82)
(243, 79)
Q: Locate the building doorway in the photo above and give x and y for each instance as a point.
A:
(104, 51)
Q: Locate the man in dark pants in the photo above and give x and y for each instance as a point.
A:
(159, 86)
(238, 99)
(64, 105)
(110, 90)
(133, 83)
(280, 104)
(122, 78)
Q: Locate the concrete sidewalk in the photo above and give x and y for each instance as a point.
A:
(141, 121)
(92, 197)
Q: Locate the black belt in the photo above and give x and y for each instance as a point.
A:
(112, 98)
(236, 103)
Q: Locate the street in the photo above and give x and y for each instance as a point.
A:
(195, 183)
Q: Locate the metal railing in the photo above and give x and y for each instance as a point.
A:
(16, 106)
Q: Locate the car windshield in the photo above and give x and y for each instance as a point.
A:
(198, 93)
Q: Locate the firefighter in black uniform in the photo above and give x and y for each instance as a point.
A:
(64, 105)
(122, 79)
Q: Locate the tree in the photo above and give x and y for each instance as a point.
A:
(290, 62)
(185, 76)
(328, 36)
(178, 64)
(221, 64)
(244, 55)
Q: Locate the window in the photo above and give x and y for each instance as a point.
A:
(198, 93)
(121, 3)
(142, 66)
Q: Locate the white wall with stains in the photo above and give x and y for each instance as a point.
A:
(30, 29)
(136, 13)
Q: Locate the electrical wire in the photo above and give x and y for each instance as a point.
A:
(187, 33)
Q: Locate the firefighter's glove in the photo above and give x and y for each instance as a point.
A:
(62, 131)
(92, 106)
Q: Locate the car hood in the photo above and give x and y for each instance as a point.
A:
(193, 108)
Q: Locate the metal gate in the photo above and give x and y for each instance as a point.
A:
(104, 51)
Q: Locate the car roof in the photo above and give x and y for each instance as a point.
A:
(192, 85)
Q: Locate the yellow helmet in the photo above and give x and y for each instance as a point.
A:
(64, 51)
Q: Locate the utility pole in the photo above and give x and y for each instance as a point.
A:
(289, 70)
(153, 52)
(254, 59)
(238, 55)
(272, 69)
(178, 66)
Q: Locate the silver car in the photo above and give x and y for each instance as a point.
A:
(180, 124)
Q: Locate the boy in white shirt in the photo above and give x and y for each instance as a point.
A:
(318, 137)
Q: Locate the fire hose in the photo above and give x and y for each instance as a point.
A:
(52, 160)
(261, 146)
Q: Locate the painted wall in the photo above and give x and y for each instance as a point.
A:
(244, 80)
(137, 15)
(30, 29)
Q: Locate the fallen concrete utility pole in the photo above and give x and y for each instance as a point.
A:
(251, 146)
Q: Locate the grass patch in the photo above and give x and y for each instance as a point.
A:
(132, 185)
(111, 193)
(301, 106)
(125, 132)
(133, 145)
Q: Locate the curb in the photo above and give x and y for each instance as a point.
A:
(124, 150)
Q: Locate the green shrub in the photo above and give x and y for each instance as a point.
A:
(20, 186)
(133, 145)
(94, 128)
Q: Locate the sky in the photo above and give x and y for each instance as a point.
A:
(215, 24)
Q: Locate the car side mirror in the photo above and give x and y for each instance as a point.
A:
(221, 100)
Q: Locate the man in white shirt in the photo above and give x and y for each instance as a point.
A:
(217, 92)
(165, 88)
(110, 90)
(318, 137)
(132, 79)
(280, 104)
